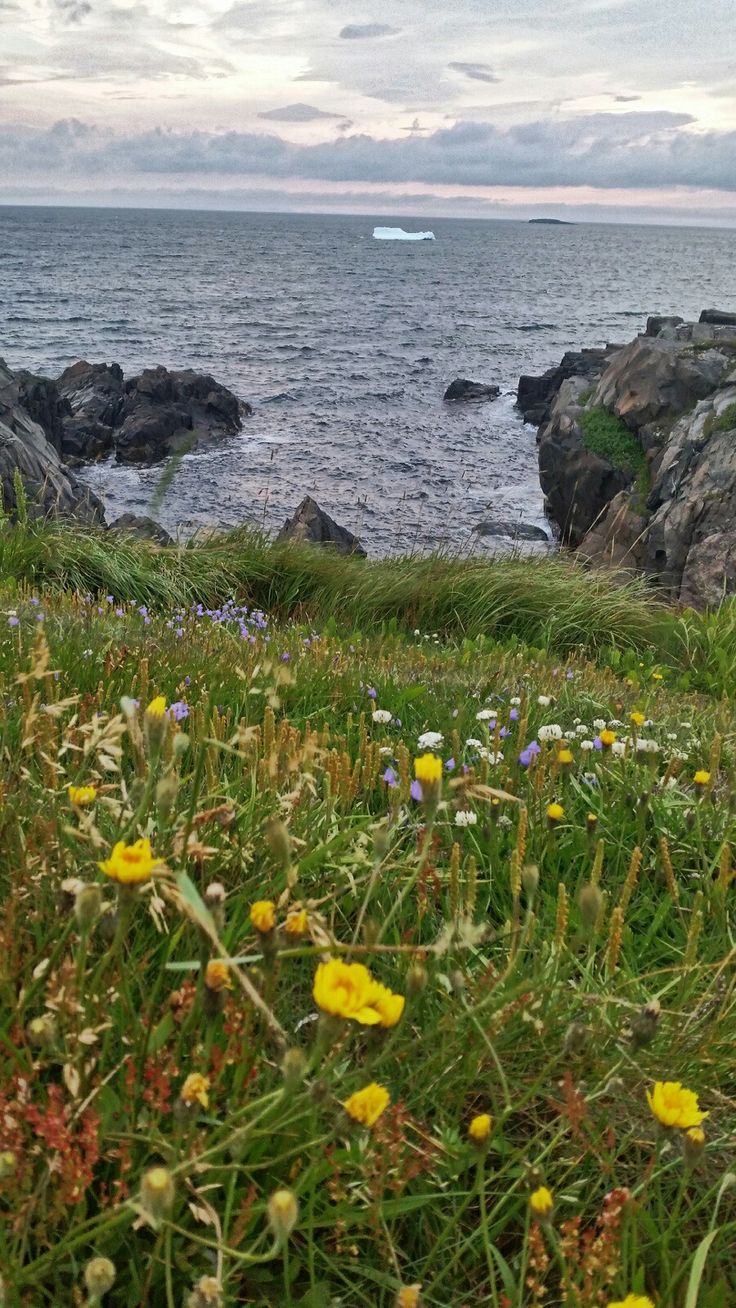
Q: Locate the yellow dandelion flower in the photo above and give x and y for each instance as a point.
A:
(157, 707)
(82, 796)
(130, 864)
(297, 923)
(673, 1105)
(541, 1203)
(696, 1136)
(366, 1105)
(388, 1005)
(263, 915)
(409, 1296)
(607, 738)
(637, 718)
(195, 1090)
(632, 1301)
(565, 757)
(217, 976)
(428, 769)
(348, 990)
(480, 1127)
(701, 777)
(555, 813)
(657, 676)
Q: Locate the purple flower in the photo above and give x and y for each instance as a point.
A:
(13, 621)
(179, 710)
(285, 657)
(34, 600)
(569, 675)
(389, 777)
(415, 790)
(528, 754)
(120, 613)
(187, 681)
(514, 715)
(39, 616)
(450, 765)
(504, 732)
(597, 743)
(372, 693)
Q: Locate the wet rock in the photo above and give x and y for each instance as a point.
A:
(536, 395)
(462, 389)
(310, 523)
(42, 401)
(165, 411)
(657, 323)
(143, 527)
(508, 527)
(577, 483)
(93, 393)
(718, 316)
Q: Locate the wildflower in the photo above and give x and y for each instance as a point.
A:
(157, 707)
(553, 731)
(485, 715)
(157, 1193)
(217, 976)
(348, 990)
(694, 1144)
(263, 915)
(416, 792)
(673, 1105)
(515, 700)
(207, 1293)
(599, 724)
(565, 758)
(389, 777)
(99, 1277)
(618, 748)
(428, 769)
(591, 821)
(637, 719)
(607, 737)
(296, 923)
(644, 746)
(382, 717)
(632, 1301)
(544, 701)
(701, 778)
(409, 1296)
(366, 1105)
(179, 710)
(195, 1090)
(130, 865)
(87, 905)
(555, 814)
(465, 817)
(541, 1203)
(480, 1128)
(283, 1211)
(372, 693)
(81, 796)
(388, 1005)
(430, 740)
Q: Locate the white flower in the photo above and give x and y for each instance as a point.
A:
(581, 729)
(599, 724)
(386, 751)
(647, 747)
(485, 715)
(489, 756)
(671, 735)
(544, 700)
(686, 726)
(472, 743)
(515, 701)
(430, 740)
(615, 722)
(504, 821)
(553, 731)
(465, 817)
(381, 716)
(586, 746)
(680, 754)
(618, 748)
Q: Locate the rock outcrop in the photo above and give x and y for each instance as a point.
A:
(145, 528)
(163, 411)
(93, 393)
(462, 389)
(536, 394)
(638, 463)
(310, 523)
(50, 488)
(513, 530)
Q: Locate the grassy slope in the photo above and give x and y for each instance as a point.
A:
(525, 1012)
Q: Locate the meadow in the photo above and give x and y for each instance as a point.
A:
(366, 934)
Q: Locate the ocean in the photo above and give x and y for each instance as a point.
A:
(344, 345)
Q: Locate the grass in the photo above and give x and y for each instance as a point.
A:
(552, 971)
(608, 436)
(723, 421)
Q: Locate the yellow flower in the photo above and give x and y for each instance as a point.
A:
(565, 757)
(366, 1105)
(480, 1127)
(555, 813)
(217, 976)
(541, 1203)
(632, 1301)
(409, 1296)
(263, 915)
(157, 707)
(296, 923)
(130, 864)
(657, 676)
(701, 777)
(672, 1105)
(348, 990)
(591, 821)
(607, 738)
(81, 796)
(637, 718)
(428, 769)
(195, 1090)
(696, 1136)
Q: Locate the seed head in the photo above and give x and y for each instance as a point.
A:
(282, 1211)
(99, 1277)
(87, 905)
(157, 1193)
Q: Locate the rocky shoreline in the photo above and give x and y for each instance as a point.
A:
(637, 448)
(637, 454)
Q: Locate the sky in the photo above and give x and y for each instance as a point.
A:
(600, 109)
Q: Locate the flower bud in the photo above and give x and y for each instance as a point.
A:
(380, 841)
(576, 1038)
(181, 745)
(41, 1031)
(87, 906)
(214, 898)
(409, 1296)
(207, 1293)
(279, 842)
(645, 1025)
(530, 879)
(99, 1277)
(68, 893)
(157, 1193)
(8, 1163)
(282, 1211)
(416, 980)
(293, 1068)
(589, 903)
(694, 1145)
(166, 794)
(457, 981)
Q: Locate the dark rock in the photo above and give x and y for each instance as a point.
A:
(94, 395)
(658, 322)
(653, 380)
(718, 316)
(577, 484)
(462, 389)
(618, 539)
(509, 527)
(536, 394)
(164, 411)
(310, 523)
(42, 401)
(146, 528)
(24, 450)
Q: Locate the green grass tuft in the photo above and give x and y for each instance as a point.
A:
(607, 436)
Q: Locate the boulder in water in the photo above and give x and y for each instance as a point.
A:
(508, 527)
(310, 523)
(720, 317)
(145, 528)
(93, 393)
(462, 389)
(165, 411)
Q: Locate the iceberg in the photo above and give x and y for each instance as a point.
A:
(398, 234)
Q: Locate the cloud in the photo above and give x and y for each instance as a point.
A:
(366, 31)
(476, 72)
(73, 11)
(626, 99)
(296, 113)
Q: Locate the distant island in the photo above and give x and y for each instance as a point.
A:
(552, 222)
